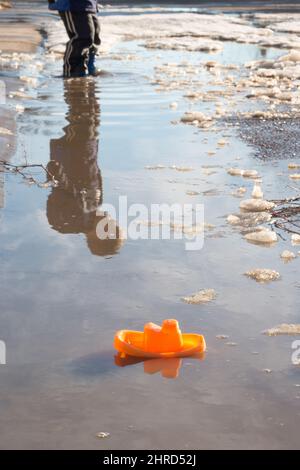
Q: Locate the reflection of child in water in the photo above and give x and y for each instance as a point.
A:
(72, 205)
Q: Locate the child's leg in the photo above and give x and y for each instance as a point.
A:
(94, 49)
(81, 30)
(70, 33)
(97, 29)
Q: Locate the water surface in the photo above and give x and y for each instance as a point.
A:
(64, 293)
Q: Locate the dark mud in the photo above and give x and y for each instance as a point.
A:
(273, 138)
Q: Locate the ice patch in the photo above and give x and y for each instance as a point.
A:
(263, 236)
(191, 44)
(283, 329)
(203, 296)
(295, 176)
(295, 239)
(256, 205)
(197, 119)
(249, 219)
(287, 255)
(257, 192)
(244, 173)
(4, 131)
(263, 275)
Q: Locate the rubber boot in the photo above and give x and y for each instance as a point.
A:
(92, 69)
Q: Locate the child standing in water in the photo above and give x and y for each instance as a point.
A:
(83, 28)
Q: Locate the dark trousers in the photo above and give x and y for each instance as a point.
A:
(83, 29)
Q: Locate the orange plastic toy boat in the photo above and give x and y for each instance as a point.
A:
(166, 341)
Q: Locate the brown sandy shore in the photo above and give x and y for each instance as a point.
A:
(4, 5)
(18, 37)
(15, 37)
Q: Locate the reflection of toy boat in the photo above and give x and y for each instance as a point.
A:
(155, 341)
(168, 367)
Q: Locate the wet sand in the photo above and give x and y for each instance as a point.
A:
(15, 37)
(5, 5)
(65, 293)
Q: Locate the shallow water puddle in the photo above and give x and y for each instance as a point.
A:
(65, 292)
